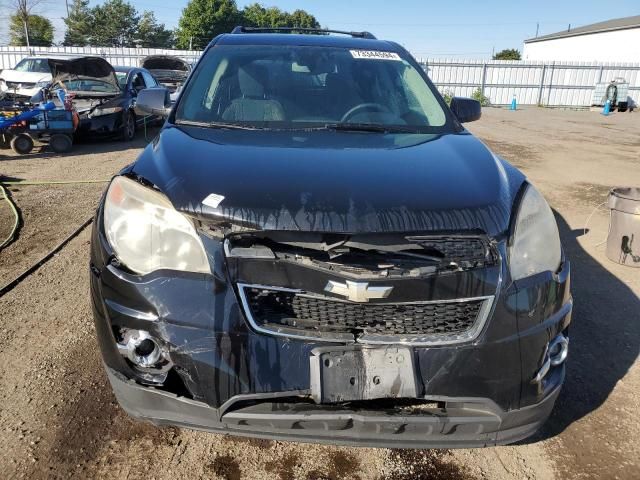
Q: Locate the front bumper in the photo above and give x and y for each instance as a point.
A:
(465, 423)
(239, 381)
(102, 126)
(20, 94)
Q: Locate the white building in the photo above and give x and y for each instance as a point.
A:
(615, 40)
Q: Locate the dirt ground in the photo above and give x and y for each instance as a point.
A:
(59, 419)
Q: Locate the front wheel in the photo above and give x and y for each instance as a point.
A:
(22, 144)
(128, 126)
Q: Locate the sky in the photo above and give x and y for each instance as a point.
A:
(458, 29)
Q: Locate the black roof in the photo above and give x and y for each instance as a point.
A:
(607, 26)
(339, 41)
(312, 31)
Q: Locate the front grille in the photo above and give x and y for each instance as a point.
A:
(466, 251)
(14, 85)
(296, 312)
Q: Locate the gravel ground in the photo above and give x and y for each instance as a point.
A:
(59, 419)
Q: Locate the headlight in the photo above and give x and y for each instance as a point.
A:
(98, 112)
(43, 83)
(535, 246)
(147, 233)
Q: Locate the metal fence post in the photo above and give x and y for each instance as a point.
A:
(484, 78)
(544, 68)
(550, 84)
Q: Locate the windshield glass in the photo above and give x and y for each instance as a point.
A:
(298, 87)
(89, 85)
(38, 65)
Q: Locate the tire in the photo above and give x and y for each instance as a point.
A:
(128, 126)
(622, 106)
(60, 143)
(22, 144)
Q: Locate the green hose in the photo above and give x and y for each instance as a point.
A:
(16, 217)
(13, 208)
(52, 182)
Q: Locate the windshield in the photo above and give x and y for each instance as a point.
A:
(89, 85)
(38, 65)
(298, 87)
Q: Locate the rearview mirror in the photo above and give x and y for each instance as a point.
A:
(465, 109)
(154, 101)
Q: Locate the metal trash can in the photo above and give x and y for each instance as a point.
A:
(623, 241)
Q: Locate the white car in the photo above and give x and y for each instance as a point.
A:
(26, 78)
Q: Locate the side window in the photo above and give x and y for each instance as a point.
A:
(138, 82)
(420, 98)
(149, 80)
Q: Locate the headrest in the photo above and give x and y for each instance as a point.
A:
(252, 81)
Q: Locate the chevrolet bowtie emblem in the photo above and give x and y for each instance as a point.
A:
(357, 291)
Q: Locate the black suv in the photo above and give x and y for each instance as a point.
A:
(314, 248)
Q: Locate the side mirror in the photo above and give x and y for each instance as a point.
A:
(154, 101)
(466, 109)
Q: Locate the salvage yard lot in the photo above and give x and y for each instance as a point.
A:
(58, 417)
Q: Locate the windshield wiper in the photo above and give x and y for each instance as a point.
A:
(365, 127)
(230, 126)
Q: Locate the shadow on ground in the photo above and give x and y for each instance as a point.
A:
(86, 146)
(604, 333)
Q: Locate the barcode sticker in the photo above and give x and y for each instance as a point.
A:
(375, 55)
(213, 200)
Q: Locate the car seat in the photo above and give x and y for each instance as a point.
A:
(253, 105)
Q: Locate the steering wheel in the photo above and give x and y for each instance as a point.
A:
(363, 107)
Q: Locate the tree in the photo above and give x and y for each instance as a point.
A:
(153, 34)
(114, 24)
(303, 19)
(40, 31)
(78, 23)
(202, 20)
(255, 15)
(22, 10)
(507, 54)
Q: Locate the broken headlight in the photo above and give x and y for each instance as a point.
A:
(147, 233)
(99, 112)
(535, 243)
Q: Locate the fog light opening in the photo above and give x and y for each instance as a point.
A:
(146, 348)
(558, 350)
(143, 350)
(556, 354)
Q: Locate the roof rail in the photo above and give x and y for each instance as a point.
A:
(316, 31)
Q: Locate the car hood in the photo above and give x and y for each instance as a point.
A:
(332, 181)
(83, 68)
(24, 77)
(164, 62)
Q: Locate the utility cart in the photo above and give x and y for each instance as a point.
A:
(21, 125)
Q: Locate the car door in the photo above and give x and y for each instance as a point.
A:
(138, 84)
(151, 82)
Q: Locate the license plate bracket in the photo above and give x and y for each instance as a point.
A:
(352, 374)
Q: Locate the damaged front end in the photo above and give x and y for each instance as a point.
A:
(368, 289)
(403, 339)
(91, 89)
(169, 70)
